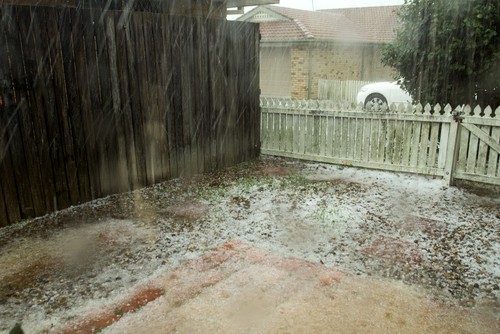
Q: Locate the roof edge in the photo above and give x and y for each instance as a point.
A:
(263, 10)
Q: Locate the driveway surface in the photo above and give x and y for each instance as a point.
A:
(271, 246)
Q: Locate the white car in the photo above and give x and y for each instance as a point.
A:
(374, 95)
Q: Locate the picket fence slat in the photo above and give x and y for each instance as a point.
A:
(340, 90)
(416, 142)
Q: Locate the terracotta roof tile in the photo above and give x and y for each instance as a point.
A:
(368, 24)
(379, 23)
(304, 24)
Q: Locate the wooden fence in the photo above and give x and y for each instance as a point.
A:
(94, 103)
(340, 90)
(454, 144)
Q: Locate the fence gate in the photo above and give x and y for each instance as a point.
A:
(477, 150)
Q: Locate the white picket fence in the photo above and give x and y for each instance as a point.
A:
(340, 90)
(460, 143)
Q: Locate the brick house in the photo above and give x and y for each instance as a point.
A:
(300, 47)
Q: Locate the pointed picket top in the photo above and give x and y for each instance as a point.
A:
(333, 105)
(323, 104)
(410, 109)
(271, 102)
(327, 105)
(384, 107)
(488, 111)
(476, 112)
(277, 102)
(267, 102)
(437, 109)
(419, 109)
(400, 109)
(302, 104)
(344, 105)
(427, 109)
(497, 113)
(360, 106)
(448, 110)
(466, 110)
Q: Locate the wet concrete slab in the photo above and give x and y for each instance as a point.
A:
(237, 288)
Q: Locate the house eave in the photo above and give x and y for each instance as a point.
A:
(315, 42)
(244, 3)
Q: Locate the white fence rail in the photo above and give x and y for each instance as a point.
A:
(460, 143)
(340, 90)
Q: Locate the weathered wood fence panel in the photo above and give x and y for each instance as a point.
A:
(340, 90)
(479, 148)
(94, 103)
(402, 139)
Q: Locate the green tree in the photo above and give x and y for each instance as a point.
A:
(448, 51)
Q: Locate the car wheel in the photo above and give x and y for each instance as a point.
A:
(374, 102)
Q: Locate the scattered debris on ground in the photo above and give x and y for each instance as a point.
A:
(403, 228)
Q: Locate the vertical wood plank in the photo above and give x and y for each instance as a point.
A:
(483, 151)
(282, 132)
(424, 145)
(140, 103)
(287, 124)
(443, 145)
(296, 133)
(4, 218)
(85, 130)
(407, 143)
(117, 147)
(265, 130)
(374, 137)
(433, 145)
(10, 191)
(359, 148)
(53, 104)
(398, 142)
(303, 133)
(451, 152)
(330, 128)
(337, 135)
(59, 24)
(472, 154)
(345, 132)
(463, 150)
(382, 141)
(493, 164)
(390, 140)
(351, 150)
(206, 135)
(322, 135)
(25, 160)
(124, 121)
(366, 124)
(415, 143)
(70, 40)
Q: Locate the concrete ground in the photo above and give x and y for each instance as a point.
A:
(240, 289)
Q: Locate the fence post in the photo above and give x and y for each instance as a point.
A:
(453, 146)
